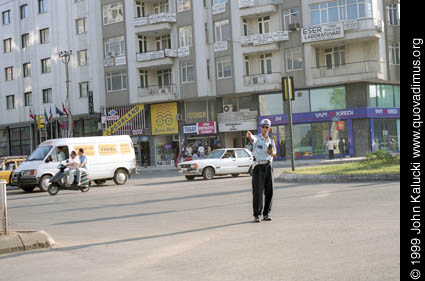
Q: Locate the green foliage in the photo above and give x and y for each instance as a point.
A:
(379, 155)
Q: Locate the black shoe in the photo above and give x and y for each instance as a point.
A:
(267, 218)
(257, 219)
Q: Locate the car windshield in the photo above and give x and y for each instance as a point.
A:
(40, 153)
(216, 154)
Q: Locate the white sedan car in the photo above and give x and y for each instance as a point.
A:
(225, 161)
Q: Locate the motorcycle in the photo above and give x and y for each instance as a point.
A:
(60, 181)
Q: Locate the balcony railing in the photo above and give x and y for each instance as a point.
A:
(155, 18)
(265, 38)
(259, 79)
(157, 90)
(363, 24)
(362, 67)
(153, 55)
(257, 3)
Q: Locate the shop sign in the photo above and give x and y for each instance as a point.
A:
(109, 62)
(266, 38)
(193, 129)
(350, 25)
(183, 52)
(138, 132)
(196, 115)
(112, 115)
(162, 17)
(120, 60)
(340, 125)
(140, 21)
(220, 46)
(123, 120)
(164, 121)
(322, 32)
(218, 8)
(91, 104)
(246, 3)
(108, 149)
(237, 126)
(170, 53)
(206, 128)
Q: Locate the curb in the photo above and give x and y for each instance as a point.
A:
(25, 241)
(285, 177)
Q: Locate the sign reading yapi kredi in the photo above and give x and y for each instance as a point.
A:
(322, 32)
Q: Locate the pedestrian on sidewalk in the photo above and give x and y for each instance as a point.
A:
(264, 149)
(330, 146)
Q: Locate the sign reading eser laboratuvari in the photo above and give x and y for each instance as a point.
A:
(322, 32)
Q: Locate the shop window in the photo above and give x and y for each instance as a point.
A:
(166, 150)
(320, 137)
(271, 104)
(385, 95)
(196, 111)
(327, 99)
(397, 95)
(387, 134)
(302, 140)
(340, 138)
(282, 141)
(301, 102)
(248, 102)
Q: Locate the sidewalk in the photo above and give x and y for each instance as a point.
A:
(276, 164)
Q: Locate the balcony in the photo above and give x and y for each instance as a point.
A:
(354, 71)
(155, 22)
(263, 82)
(255, 7)
(158, 93)
(266, 42)
(156, 58)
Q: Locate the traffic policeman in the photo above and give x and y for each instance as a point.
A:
(264, 149)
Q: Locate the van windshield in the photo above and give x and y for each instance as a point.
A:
(40, 153)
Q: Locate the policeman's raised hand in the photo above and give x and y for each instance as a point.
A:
(249, 134)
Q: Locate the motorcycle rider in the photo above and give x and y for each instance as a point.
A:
(82, 167)
(73, 165)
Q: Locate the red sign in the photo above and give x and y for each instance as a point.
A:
(206, 128)
(340, 125)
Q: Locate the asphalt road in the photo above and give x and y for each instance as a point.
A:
(161, 227)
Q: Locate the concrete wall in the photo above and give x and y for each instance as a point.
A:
(361, 132)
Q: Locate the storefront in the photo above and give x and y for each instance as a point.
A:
(165, 132)
(201, 133)
(233, 127)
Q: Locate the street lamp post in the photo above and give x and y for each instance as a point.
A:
(65, 56)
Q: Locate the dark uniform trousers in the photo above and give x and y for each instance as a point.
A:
(262, 183)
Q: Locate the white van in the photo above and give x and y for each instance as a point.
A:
(110, 157)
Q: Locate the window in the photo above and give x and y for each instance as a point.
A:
(163, 42)
(143, 77)
(395, 53)
(183, 5)
(24, 11)
(381, 95)
(302, 140)
(6, 17)
(80, 25)
(290, 16)
(84, 89)
(116, 81)
(294, 60)
(393, 14)
(245, 27)
(7, 45)
(140, 9)
(112, 13)
(222, 31)
(327, 98)
(208, 69)
(142, 44)
(82, 57)
(264, 25)
(25, 40)
(187, 72)
(43, 6)
(47, 96)
(28, 99)
(161, 7)
(335, 57)
(27, 69)
(247, 65)
(9, 73)
(266, 64)
(44, 36)
(185, 36)
(10, 101)
(224, 67)
(242, 154)
(301, 102)
(164, 78)
(397, 95)
(271, 104)
(114, 46)
(45, 65)
(336, 11)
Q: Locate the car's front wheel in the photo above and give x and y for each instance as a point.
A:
(208, 173)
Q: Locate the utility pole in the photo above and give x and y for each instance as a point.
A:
(65, 56)
(288, 95)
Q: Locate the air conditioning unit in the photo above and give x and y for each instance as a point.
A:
(254, 80)
(227, 108)
(294, 26)
(111, 54)
(163, 91)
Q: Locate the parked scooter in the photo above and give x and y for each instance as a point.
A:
(60, 181)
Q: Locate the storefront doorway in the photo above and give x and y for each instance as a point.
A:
(386, 134)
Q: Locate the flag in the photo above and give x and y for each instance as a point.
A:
(45, 115)
(32, 115)
(58, 111)
(64, 110)
(50, 115)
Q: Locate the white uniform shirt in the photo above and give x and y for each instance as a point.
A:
(260, 147)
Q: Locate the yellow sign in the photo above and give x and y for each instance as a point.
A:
(108, 149)
(88, 149)
(124, 148)
(123, 120)
(163, 118)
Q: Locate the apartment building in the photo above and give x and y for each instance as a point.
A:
(32, 78)
(207, 71)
